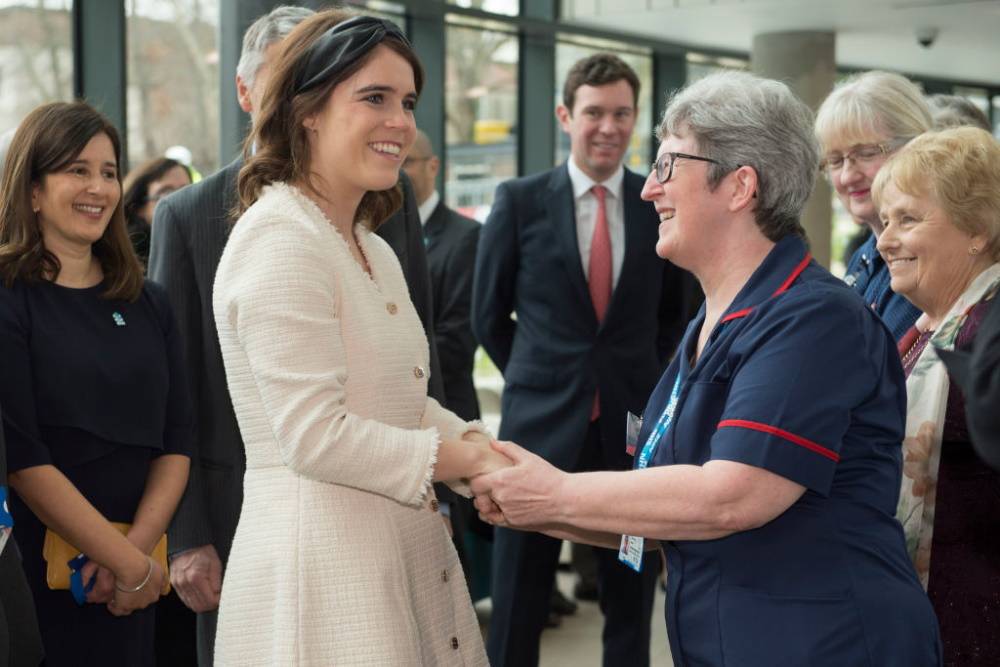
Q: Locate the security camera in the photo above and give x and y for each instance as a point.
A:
(926, 37)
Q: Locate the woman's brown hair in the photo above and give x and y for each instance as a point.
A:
(48, 139)
(277, 150)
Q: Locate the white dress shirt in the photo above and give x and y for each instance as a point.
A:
(427, 208)
(586, 216)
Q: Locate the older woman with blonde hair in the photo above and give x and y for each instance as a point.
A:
(861, 123)
(939, 202)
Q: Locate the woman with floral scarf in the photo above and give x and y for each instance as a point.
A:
(939, 199)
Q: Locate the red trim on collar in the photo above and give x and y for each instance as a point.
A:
(781, 433)
(736, 315)
(796, 272)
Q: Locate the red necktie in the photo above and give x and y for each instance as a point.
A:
(600, 257)
(599, 274)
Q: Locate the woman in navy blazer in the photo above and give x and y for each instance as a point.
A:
(769, 456)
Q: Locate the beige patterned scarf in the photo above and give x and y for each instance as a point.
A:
(926, 403)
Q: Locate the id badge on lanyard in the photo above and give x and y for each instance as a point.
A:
(630, 551)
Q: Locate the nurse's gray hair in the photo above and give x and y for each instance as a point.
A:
(741, 119)
(262, 33)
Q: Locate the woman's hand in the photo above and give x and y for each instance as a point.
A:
(124, 602)
(104, 582)
(488, 459)
(522, 496)
(468, 457)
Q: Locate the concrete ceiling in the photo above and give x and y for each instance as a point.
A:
(870, 33)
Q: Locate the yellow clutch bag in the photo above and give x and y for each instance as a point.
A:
(57, 553)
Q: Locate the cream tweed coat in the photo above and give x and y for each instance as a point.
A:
(338, 557)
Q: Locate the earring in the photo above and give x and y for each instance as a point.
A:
(973, 250)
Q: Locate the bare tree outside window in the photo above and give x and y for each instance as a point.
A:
(36, 57)
(480, 116)
(173, 89)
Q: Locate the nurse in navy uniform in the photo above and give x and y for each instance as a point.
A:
(770, 451)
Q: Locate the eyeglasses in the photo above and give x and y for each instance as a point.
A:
(862, 156)
(665, 164)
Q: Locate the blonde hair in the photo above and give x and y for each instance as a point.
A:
(960, 169)
(872, 105)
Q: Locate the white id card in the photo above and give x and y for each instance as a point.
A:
(633, 425)
(630, 551)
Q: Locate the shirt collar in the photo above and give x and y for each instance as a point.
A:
(787, 260)
(583, 183)
(427, 208)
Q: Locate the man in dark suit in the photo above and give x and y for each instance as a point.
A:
(189, 234)
(571, 252)
(450, 239)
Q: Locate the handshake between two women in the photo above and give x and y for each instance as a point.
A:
(514, 487)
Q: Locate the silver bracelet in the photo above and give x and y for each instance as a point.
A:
(138, 588)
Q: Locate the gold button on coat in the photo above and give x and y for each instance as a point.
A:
(418, 372)
(391, 307)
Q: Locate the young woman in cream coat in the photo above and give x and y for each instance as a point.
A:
(340, 556)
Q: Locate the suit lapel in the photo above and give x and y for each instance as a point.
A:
(434, 227)
(636, 216)
(561, 208)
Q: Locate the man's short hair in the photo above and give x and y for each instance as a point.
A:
(265, 31)
(598, 70)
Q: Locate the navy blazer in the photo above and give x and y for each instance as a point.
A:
(451, 240)
(554, 354)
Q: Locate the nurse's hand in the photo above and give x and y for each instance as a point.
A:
(522, 496)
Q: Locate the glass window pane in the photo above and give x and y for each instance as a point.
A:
(393, 11)
(640, 149)
(506, 7)
(480, 116)
(700, 65)
(37, 58)
(173, 81)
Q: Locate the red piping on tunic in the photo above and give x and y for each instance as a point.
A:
(781, 433)
(783, 288)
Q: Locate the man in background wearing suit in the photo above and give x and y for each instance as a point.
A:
(450, 240)
(580, 315)
(189, 233)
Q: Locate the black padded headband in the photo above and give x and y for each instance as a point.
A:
(343, 45)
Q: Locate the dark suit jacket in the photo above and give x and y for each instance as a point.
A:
(20, 641)
(190, 230)
(555, 355)
(451, 241)
(982, 404)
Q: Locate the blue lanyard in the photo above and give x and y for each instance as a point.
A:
(662, 424)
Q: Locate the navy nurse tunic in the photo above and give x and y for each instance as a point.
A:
(801, 379)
